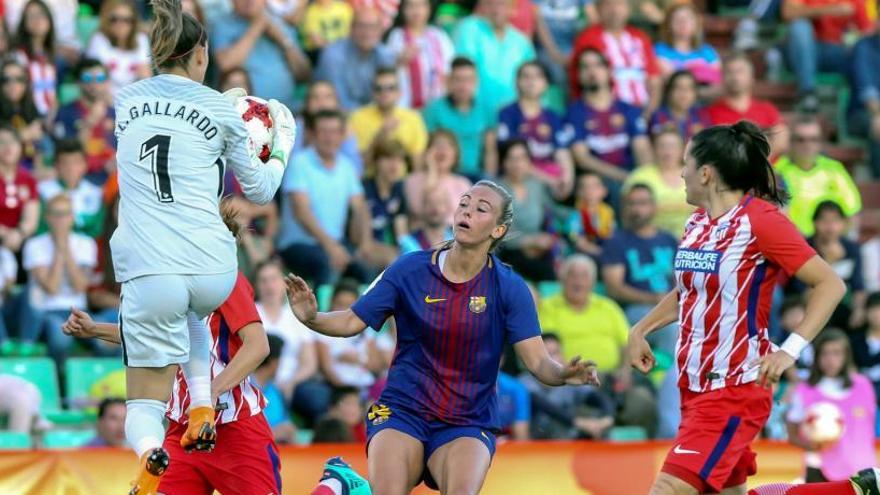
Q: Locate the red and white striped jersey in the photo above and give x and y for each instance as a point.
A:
(726, 270)
(245, 399)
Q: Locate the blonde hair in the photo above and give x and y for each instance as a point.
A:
(174, 35)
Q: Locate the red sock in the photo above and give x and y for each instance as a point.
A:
(832, 488)
(772, 489)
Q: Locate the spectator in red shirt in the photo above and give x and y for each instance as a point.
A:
(634, 66)
(815, 40)
(19, 202)
(737, 103)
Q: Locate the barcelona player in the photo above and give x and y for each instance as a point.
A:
(734, 247)
(455, 307)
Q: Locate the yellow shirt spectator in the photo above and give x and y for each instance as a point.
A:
(598, 332)
(324, 22)
(673, 209)
(828, 180)
(366, 122)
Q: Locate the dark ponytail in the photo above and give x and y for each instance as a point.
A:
(174, 35)
(740, 153)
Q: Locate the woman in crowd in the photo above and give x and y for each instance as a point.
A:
(35, 49)
(679, 106)
(834, 380)
(297, 375)
(17, 109)
(540, 127)
(664, 179)
(682, 47)
(424, 54)
(383, 190)
(531, 249)
(441, 161)
(20, 205)
(120, 44)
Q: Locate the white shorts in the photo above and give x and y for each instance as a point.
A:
(152, 315)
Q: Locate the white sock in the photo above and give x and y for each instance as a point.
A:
(143, 424)
(198, 369)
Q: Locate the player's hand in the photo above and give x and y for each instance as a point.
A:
(285, 131)
(578, 372)
(640, 355)
(301, 299)
(79, 324)
(772, 366)
(233, 94)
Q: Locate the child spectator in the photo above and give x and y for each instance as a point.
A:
(86, 197)
(514, 407)
(833, 379)
(383, 191)
(120, 44)
(791, 314)
(866, 345)
(592, 222)
(19, 201)
(91, 119)
(679, 107)
(276, 411)
(324, 22)
(346, 406)
(423, 53)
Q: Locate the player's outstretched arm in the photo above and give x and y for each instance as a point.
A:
(637, 348)
(550, 372)
(254, 349)
(305, 307)
(80, 324)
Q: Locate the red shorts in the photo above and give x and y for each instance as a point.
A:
(245, 461)
(712, 450)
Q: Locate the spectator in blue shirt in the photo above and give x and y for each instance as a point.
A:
(90, 119)
(265, 46)
(321, 95)
(864, 104)
(276, 410)
(558, 23)
(350, 64)
(463, 113)
(637, 263)
(321, 195)
(514, 407)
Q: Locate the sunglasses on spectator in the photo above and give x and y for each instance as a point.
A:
(381, 88)
(807, 139)
(13, 79)
(120, 18)
(92, 78)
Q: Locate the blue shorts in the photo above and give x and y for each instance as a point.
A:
(432, 434)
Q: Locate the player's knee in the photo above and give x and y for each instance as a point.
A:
(667, 485)
(461, 490)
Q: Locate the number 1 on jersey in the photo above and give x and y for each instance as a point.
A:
(156, 149)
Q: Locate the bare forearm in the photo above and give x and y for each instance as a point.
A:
(298, 64)
(664, 313)
(243, 364)
(51, 280)
(308, 221)
(336, 324)
(108, 332)
(549, 372)
(235, 55)
(78, 279)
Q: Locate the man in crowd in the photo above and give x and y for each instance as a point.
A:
(91, 118)
(350, 63)
(87, 198)
(637, 263)
(434, 228)
(266, 47)
(321, 195)
(384, 119)
(111, 424)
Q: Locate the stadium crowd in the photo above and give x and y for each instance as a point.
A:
(580, 108)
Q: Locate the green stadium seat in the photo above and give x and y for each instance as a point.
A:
(67, 93)
(627, 434)
(86, 25)
(82, 373)
(11, 440)
(324, 295)
(42, 373)
(67, 439)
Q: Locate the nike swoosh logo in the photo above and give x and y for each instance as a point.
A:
(429, 300)
(679, 450)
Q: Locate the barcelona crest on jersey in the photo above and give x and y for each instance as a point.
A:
(477, 304)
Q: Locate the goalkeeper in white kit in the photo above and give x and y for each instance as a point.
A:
(172, 253)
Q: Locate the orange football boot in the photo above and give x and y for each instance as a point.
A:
(153, 465)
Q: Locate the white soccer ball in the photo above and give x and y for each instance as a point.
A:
(823, 424)
(255, 113)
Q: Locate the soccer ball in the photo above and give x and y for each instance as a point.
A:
(255, 113)
(823, 424)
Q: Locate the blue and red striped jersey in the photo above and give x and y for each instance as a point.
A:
(450, 336)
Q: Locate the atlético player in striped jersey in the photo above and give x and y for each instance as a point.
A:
(734, 247)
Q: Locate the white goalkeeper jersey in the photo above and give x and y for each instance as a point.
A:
(175, 139)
